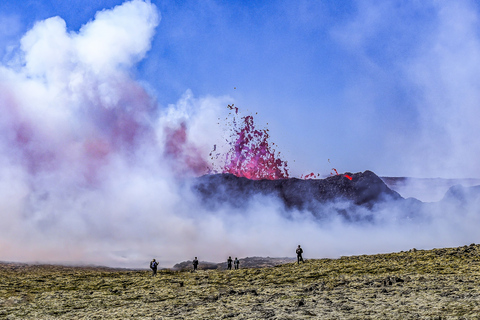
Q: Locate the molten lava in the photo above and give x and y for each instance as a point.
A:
(345, 175)
(250, 154)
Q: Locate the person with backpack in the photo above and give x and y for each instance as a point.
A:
(236, 263)
(153, 266)
(195, 264)
(229, 263)
(299, 252)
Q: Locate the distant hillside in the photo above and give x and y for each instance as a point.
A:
(249, 262)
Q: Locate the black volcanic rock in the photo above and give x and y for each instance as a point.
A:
(365, 189)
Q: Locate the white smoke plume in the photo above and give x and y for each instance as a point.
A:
(444, 75)
(93, 170)
(87, 157)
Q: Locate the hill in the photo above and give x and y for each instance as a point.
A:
(361, 189)
(359, 199)
(429, 284)
(249, 262)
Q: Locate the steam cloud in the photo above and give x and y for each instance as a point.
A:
(92, 170)
(87, 157)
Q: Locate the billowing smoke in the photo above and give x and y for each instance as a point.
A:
(94, 170)
(88, 160)
(445, 73)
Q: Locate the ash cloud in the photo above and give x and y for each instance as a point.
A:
(94, 170)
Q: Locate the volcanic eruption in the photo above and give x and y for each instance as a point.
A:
(253, 168)
(95, 170)
(250, 154)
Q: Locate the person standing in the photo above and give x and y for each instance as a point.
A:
(195, 264)
(229, 263)
(299, 252)
(236, 263)
(153, 266)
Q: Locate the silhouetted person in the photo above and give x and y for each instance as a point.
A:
(153, 266)
(236, 263)
(229, 263)
(299, 252)
(195, 264)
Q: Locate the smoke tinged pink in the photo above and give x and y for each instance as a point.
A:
(185, 156)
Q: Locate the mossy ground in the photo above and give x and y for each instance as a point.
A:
(433, 284)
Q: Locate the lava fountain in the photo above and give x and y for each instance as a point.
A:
(250, 154)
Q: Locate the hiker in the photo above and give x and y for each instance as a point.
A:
(153, 266)
(229, 263)
(195, 264)
(299, 252)
(236, 263)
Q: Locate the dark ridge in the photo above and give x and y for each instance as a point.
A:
(365, 189)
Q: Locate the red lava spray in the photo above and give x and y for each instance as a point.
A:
(345, 175)
(250, 154)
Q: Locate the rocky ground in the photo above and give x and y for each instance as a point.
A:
(418, 284)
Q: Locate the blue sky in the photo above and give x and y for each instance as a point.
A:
(389, 86)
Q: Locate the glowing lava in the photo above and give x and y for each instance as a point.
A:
(250, 154)
(345, 175)
(311, 175)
